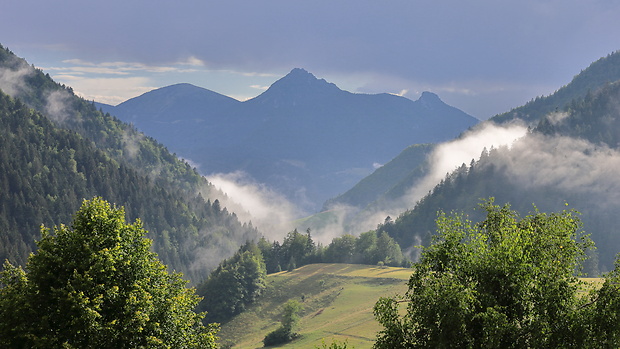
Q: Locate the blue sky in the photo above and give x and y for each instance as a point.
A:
(483, 56)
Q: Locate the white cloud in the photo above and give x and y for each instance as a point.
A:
(448, 156)
(79, 66)
(57, 106)
(402, 92)
(259, 87)
(12, 81)
(106, 90)
(193, 60)
(269, 211)
(567, 164)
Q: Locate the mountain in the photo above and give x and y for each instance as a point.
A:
(176, 109)
(303, 136)
(388, 181)
(567, 160)
(384, 191)
(56, 149)
(600, 73)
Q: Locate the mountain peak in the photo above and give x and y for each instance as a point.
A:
(298, 86)
(429, 97)
(300, 72)
(430, 100)
(300, 78)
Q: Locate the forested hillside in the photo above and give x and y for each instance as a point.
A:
(67, 151)
(121, 141)
(570, 158)
(597, 75)
(398, 176)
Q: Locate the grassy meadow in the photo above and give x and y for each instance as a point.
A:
(337, 300)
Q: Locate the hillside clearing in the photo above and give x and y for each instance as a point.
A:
(337, 299)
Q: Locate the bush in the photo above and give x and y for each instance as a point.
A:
(280, 336)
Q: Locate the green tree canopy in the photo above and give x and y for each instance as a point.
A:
(506, 282)
(98, 285)
(341, 249)
(285, 333)
(234, 284)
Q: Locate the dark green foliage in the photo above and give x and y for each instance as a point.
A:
(506, 282)
(490, 176)
(296, 250)
(369, 248)
(279, 336)
(595, 118)
(285, 333)
(119, 140)
(98, 285)
(233, 285)
(341, 250)
(299, 249)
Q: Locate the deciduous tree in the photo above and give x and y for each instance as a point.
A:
(96, 284)
(506, 282)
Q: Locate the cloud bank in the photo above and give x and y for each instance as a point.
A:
(268, 210)
(448, 156)
(573, 166)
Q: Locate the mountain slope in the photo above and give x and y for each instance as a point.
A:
(176, 109)
(594, 77)
(584, 85)
(402, 171)
(303, 136)
(337, 300)
(68, 151)
(571, 157)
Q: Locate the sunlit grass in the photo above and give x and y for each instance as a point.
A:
(337, 299)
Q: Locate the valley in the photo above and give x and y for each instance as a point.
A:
(509, 210)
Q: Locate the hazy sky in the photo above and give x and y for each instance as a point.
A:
(483, 56)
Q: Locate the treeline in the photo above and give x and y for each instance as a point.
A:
(239, 280)
(298, 249)
(598, 75)
(593, 117)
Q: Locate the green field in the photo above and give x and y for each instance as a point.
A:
(337, 299)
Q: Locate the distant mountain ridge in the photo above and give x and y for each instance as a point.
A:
(303, 135)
